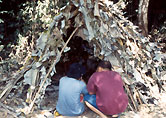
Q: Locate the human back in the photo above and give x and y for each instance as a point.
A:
(70, 90)
(110, 96)
(69, 96)
(107, 85)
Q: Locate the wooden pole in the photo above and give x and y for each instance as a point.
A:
(50, 69)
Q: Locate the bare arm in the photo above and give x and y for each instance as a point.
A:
(91, 93)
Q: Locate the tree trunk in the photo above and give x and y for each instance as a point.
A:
(143, 16)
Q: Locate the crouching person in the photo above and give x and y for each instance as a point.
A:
(71, 89)
(106, 93)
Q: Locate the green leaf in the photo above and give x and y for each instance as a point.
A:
(1, 21)
(1, 47)
(2, 12)
(1, 36)
(31, 76)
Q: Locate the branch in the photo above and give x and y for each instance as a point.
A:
(50, 69)
(132, 99)
(10, 85)
(5, 109)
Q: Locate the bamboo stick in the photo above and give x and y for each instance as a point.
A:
(50, 69)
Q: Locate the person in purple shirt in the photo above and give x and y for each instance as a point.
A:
(106, 93)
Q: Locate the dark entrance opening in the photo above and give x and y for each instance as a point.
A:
(156, 13)
(81, 52)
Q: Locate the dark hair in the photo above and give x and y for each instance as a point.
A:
(105, 65)
(91, 65)
(76, 70)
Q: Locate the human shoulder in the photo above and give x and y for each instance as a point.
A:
(96, 73)
(64, 77)
(116, 73)
(82, 83)
(67, 79)
(95, 76)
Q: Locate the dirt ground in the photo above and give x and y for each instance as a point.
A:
(145, 110)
